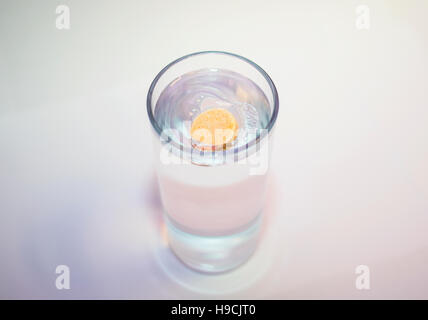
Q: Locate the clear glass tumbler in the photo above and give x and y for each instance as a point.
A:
(212, 198)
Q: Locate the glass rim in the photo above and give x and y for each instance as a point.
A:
(265, 75)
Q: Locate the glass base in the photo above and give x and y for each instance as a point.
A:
(213, 254)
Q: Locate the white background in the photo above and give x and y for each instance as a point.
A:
(349, 166)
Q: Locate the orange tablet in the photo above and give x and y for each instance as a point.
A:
(214, 128)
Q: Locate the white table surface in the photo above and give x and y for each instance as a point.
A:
(349, 173)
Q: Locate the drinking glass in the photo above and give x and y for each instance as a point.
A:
(212, 199)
